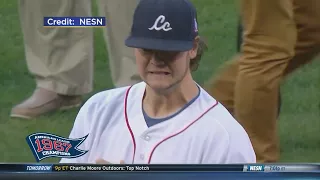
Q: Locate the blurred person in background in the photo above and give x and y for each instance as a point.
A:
(62, 59)
(239, 42)
(278, 37)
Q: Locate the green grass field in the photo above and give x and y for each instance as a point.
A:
(299, 123)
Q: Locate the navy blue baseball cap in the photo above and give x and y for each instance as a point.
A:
(168, 25)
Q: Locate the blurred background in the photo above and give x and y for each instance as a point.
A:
(299, 122)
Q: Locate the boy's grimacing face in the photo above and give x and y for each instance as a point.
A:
(163, 70)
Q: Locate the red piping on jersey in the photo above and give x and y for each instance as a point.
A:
(175, 134)
(128, 125)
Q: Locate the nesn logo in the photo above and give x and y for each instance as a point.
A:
(255, 168)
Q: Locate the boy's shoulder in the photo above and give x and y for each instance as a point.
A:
(220, 120)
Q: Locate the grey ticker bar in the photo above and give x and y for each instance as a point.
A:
(291, 168)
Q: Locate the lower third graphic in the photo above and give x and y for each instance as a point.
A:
(45, 145)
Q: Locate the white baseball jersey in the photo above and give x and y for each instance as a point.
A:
(203, 133)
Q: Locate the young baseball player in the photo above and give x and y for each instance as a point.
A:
(168, 118)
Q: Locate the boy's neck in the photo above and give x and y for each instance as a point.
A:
(158, 105)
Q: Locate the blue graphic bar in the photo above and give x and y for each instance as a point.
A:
(56, 168)
(74, 22)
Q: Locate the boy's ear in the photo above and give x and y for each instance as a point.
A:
(194, 50)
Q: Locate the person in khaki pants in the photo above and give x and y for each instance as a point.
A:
(278, 37)
(61, 59)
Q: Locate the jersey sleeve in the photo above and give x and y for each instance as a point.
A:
(240, 150)
(229, 150)
(81, 128)
(228, 143)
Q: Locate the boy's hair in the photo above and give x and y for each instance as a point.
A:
(202, 46)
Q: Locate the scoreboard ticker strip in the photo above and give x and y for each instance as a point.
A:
(56, 168)
(150, 168)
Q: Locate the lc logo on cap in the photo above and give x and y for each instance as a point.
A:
(165, 25)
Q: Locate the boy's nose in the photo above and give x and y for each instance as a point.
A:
(157, 60)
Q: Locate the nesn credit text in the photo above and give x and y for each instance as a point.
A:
(76, 21)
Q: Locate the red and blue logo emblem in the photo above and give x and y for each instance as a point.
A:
(45, 145)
